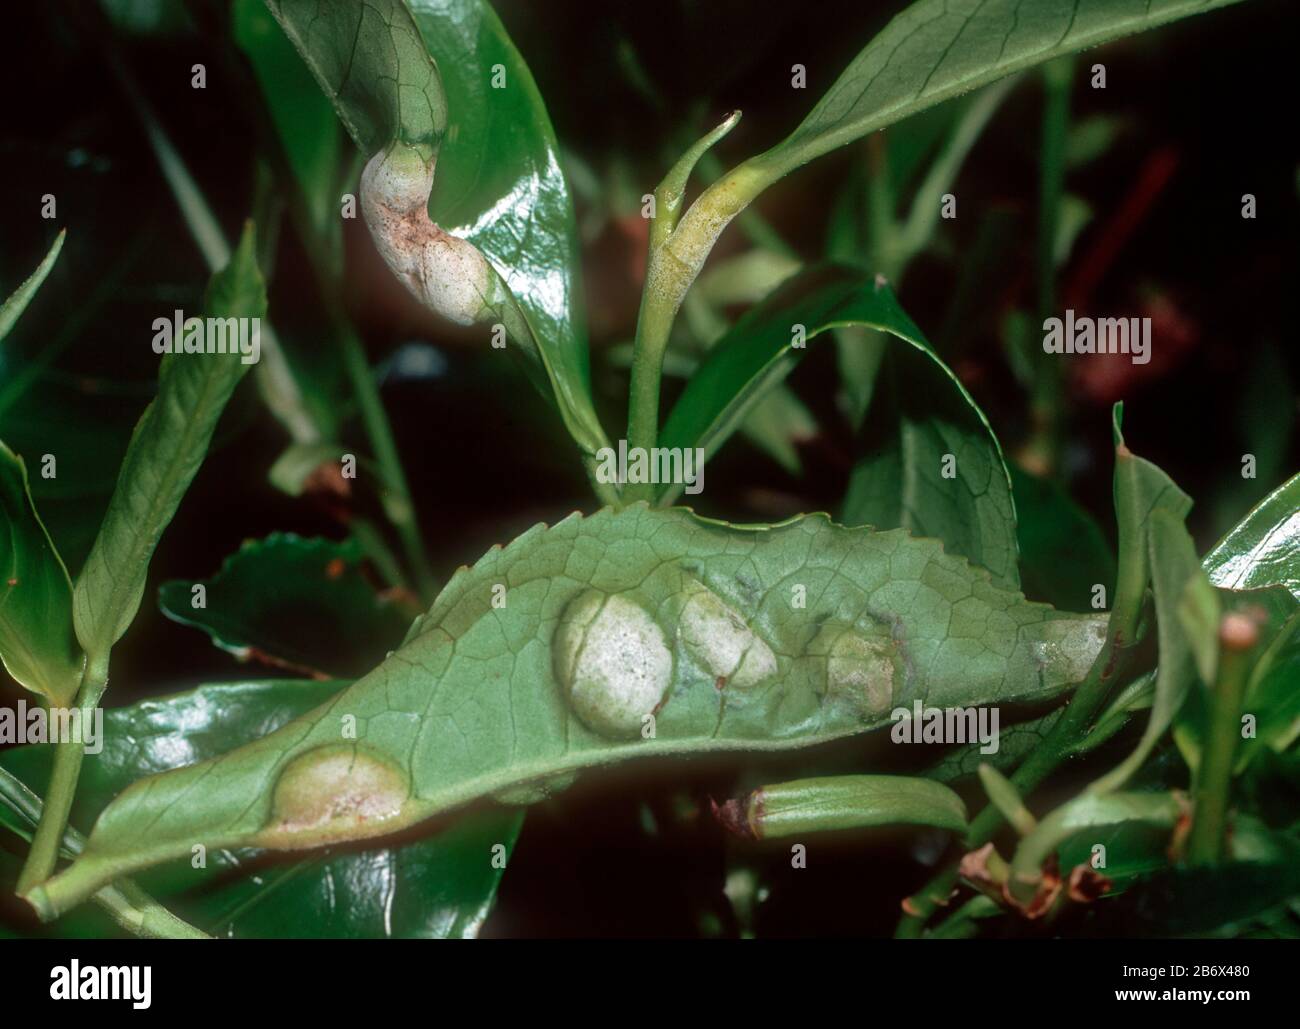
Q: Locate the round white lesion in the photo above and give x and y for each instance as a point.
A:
(446, 274)
(329, 792)
(612, 661)
(720, 641)
(862, 668)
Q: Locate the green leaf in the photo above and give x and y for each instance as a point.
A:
(1264, 548)
(1063, 552)
(87, 431)
(133, 909)
(1264, 873)
(498, 182)
(935, 416)
(1089, 812)
(500, 186)
(295, 465)
(440, 885)
(1015, 742)
(847, 802)
(1175, 572)
(625, 634)
(304, 120)
(37, 644)
(1004, 796)
(371, 62)
(166, 450)
(22, 296)
(937, 49)
(299, 603)
(1273, 697)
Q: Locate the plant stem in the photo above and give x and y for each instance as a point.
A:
(68, 755)
(672, 268)
(127, 904)
(1048, 400)
(1205, 844)
(1066, 731)
(396, 495)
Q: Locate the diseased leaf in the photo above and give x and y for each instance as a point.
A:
(497, 180)
(937, 49)
(166, 450)
(438, 886)
(898, 483)
(1264, 549)
(37, 644)
(299, 603)
(625, 634)
(22, 296)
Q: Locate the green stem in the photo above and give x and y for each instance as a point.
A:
(760, 231)
(397, 501)
(1205, 844)
(1048, 400)
(674, 264)
(68, 755)
(1066, 731)
(127, 904)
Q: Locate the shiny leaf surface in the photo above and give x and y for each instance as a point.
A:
(37, 644)
(436, 886)
(624, 634)
(300, 603)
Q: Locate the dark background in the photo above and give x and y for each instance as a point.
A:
(626, 85)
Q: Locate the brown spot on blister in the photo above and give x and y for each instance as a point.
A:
(335, 568)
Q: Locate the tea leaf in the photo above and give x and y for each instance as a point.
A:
(22, 296)
(168, 446)
(625, 634)
(898, 484)
(938, 49)
(497, 182)
(37, 644)
(440, 886)
(298, 603)
(1264, 549)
